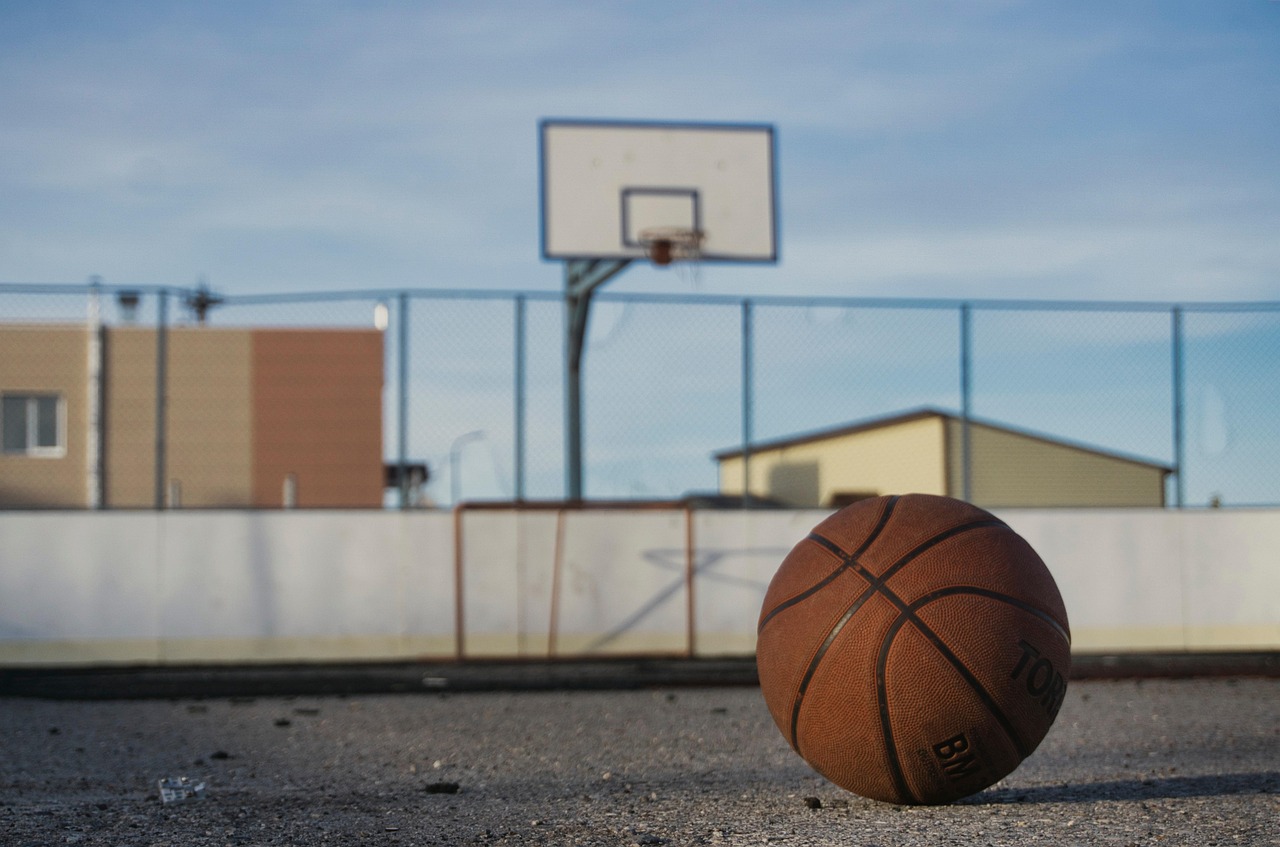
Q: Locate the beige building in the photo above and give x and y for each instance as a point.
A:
(253, 417)
(922, 451)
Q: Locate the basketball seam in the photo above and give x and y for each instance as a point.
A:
(1024, 749)
(843, 567)
(876, 584)
(847, 560)
(886, 720)
(908, 615)
(1017, 603)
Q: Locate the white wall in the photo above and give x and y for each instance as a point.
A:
(192, 587)
(1162, 580)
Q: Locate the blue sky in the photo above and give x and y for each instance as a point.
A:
(934, 149)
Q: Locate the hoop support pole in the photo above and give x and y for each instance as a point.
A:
(581, 278)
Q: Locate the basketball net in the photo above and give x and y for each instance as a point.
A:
(668, 245)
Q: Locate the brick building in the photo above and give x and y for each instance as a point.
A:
(252, 418)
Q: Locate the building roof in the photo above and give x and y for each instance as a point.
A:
(923, 413)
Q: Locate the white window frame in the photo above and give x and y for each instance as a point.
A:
(33, 450)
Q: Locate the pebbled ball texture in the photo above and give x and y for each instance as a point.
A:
(913, 649)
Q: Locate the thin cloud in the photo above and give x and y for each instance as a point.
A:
(923, 148)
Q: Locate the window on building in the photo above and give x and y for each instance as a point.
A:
(32, 424)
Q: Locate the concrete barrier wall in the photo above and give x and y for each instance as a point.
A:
(198, 587)
(1163, 580)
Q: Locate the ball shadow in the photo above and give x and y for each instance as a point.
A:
(1215, 785)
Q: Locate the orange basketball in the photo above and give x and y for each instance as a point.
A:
(913, 649)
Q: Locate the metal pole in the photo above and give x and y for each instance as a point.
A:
(581, 279)
(966, 394)
(93, 425)
(574, 306)
(1179, 490)
(520, 398)
(402, 400)
(162, 366)
(748, 400)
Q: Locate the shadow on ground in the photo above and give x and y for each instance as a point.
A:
(1162, 788)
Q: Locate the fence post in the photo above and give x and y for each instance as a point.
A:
(1178, 410)
(162, 364)
(94, 449)
(966, 403)
(402, 390)
(748, 399)
(519, 398)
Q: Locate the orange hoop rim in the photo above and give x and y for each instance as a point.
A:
(666, 244)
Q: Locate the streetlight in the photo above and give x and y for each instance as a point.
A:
(455, 456)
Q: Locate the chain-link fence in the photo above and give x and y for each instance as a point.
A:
(148, 397)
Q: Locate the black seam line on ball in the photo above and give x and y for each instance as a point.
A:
(1024, 749)
(908, 615)
(1017, 603)
(886, 722)
(912, 555)
(848, 560)
(905, 613)
(875, 584)
(844, 565)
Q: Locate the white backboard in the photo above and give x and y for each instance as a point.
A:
(603, 182)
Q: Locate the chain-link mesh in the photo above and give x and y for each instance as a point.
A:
(1231, 371)
(1099, 381)
(461, 390)
(662, 387)
(823, 366)
(318, 374)
(117, 397)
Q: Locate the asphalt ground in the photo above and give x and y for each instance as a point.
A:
(1129, 761)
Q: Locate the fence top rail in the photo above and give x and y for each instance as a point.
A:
(791, 301)
(949, 304)
(85, 288)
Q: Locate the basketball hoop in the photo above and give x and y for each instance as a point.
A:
(667, 244)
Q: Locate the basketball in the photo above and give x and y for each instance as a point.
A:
(913, 649)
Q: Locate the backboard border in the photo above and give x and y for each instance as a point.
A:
(770, 129)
